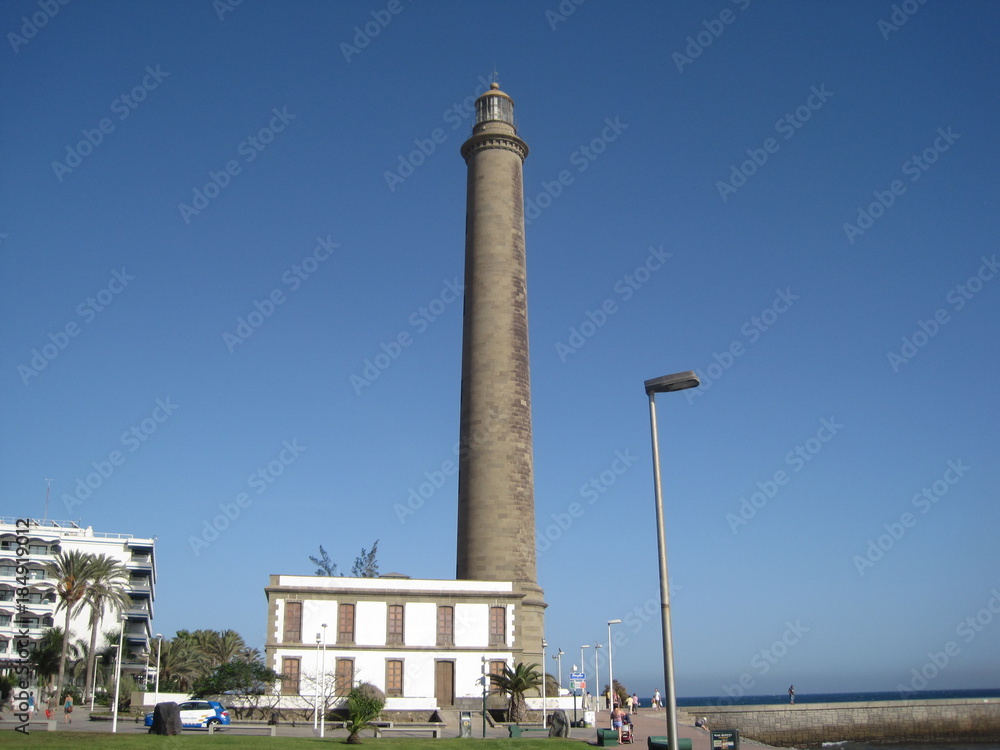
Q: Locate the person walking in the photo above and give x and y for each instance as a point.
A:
(656, 698)
(628, 703)
(617, 715)
(635, 703)
(791, 694)
(68, 709)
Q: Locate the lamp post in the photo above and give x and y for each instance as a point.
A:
(159, 648)
(318, 673)
(668, 383)
(611, 668)
(118, 674)
(583, 669)
(322, 672)
(484, 697)
(597, 673)
(558, 657)
(544, 646)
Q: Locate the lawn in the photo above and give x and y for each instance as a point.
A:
(101, 740)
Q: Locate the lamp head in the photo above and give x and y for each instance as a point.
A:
(679, 381)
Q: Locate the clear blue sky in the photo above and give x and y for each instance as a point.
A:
(688, 199)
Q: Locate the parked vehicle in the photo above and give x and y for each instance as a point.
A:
(199, 714)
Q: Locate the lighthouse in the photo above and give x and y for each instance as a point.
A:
(496, 501)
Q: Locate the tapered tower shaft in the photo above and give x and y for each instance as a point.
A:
(496, 504)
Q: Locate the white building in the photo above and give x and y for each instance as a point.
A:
(426, 643)
(32, 544)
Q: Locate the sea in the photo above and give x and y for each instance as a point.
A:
(833, 744)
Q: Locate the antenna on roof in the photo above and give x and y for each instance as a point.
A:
(48, 487)
(496, 76)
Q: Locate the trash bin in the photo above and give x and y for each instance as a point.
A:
(589, 719)
(465, 724)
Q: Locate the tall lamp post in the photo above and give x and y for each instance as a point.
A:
(318, 673)
(159, 648)
(544, 646)
(611, 667)
(558, 657)
(582, 669)
(93, 686)
(118, 673)
(597, 673)
(667, 384)
(322, 672)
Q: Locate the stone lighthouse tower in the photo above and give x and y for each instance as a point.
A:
(496, 497)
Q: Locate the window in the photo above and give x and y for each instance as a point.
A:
(394, 677)
(498, 626)
(446, 626)
(345, 623)
(293, 623)
(36, 574)
(4, 619)
(3, 646)
(289, 676)
(38, 549)
(6, 570)
(496, 667)
(7, 544)
(394, 632)
(345, 677)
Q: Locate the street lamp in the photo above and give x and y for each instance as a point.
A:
(318, 673)
(485, 663)
(558, 657)
(159, 648)
(611, 668)
(668, 383)
(597, 673)
(544, 646)
(585, 645)
(322, 671)
(93, 685)
(118, 673)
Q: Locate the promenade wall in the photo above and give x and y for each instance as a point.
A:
(947, 720)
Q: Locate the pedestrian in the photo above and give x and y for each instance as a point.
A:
(616, 721)
(607, 698)
(628, 703)
(31, 703)
(68, 709)
(656, 698)
(635, 703)
(791, 694)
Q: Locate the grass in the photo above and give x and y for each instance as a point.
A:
(95, 740)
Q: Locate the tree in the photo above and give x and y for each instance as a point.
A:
(108, 589)
(74, 572)
(515, 683)
(365, 564)
(364, 703)
(326, 567)
(247, 681)
(179, 664)
(45, 655)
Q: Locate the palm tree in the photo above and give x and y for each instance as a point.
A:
(178, 663)
(219, 647)
(74, 572)
(515, 683)
(108, 590)
(45, 655)
(250, 655)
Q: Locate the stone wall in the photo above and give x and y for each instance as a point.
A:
(958, 720)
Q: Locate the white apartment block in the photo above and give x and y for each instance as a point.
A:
(46, 539)
(426, 643)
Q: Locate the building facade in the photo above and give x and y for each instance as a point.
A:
(426, 643)
(33, 544)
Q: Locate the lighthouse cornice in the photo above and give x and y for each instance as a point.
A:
(481, 141)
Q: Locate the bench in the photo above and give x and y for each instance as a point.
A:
(41, 725)
(380, 730)
(338, 724)
(271, 729)
(607, 737)
(662, 743)
(516, 730)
